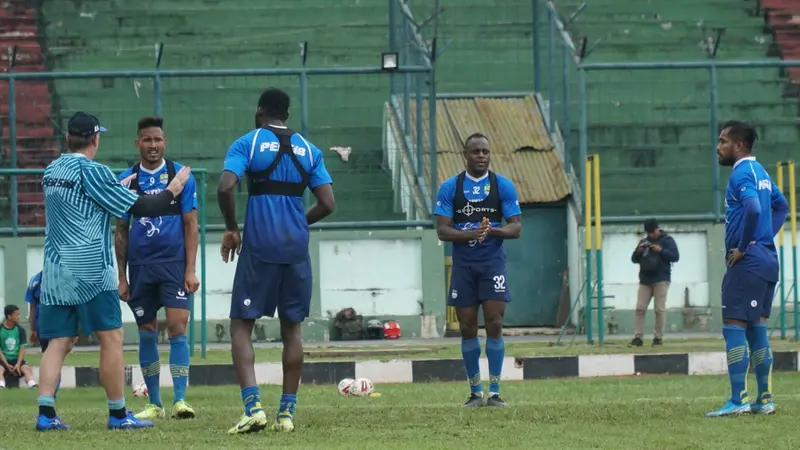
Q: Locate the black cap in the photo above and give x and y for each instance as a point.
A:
(84, 125)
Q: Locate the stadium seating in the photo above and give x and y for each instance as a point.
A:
(204, 115)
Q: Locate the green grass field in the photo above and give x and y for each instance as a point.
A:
(608, 413)
(421, 351)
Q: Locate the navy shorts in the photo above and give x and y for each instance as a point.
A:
(154, 286)
(260, 288)
(472, 285)
(101, 313)
(745, 296)
(13, 362)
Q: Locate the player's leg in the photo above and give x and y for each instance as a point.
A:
(175, 299)
(27, 375)
(737, 312)
(493, 294)
(144, 304)
(103, 316)
(2, 377)
(660, 311)
(43, 343)
(294, 304)
(57, 325)
(643, 296)
(463, 297)
(761, 355)
(253, 284)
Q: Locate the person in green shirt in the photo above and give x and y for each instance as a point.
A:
(12, 348)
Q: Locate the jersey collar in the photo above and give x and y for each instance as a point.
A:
(746, 158)
(151, 172)
(481, 178)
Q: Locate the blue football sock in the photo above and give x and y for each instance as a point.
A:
(495, 352)
(738, 361)
(251, 399)
(761, 357)
(179, 365)
(288, 402)
(471, 352)
(151, 366)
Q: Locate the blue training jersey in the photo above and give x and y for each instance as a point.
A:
(749, 180)
(33, 293)
(490, 251)
(156, 240)
(80, 197)
(275, 227)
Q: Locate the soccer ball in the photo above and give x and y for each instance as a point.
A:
(345, 386)
(140, 390)
(362, 387)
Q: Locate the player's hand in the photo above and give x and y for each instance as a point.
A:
(231, 245)
(655, 247)
(124, 289)
(484, 229)
(127, 180)
(18, 368)
(177, 183)
(192, 283)
(734, 256)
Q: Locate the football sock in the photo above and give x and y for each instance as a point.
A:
(738, 361)
(47, 406)
(286, 409)
(151, 366)
(116, 408)
(179, 365)
(761, 358)
(471, 352)
(495, 352)
(251, 399)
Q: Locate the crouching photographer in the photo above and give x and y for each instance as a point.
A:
(655, 255)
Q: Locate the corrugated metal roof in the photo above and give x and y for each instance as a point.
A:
(521, 147)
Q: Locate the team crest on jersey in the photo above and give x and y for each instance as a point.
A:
(487, 188)
(163, 177)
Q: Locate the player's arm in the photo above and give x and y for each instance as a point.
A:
(511, 212)
(669, 251)
(32, 314)
(780, 209)
(191, 235)
(118, 200)
(321, 185)
(748, 196)
(121, 240)
(236, 162)
(23, 341)
(444, 217)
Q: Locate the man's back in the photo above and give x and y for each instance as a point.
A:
(275, 225)
(80, 196)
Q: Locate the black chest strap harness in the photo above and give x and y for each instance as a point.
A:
(259, 182)
(174, 208)
(473, 211)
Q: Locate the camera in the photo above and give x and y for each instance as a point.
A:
(645, 243)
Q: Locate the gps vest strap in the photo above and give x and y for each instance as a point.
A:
(473, 211)
(174, 208)
(259, 182)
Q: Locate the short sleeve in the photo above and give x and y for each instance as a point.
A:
(189, 196)
(102, 187)
(444, 199)
(508, 198)
(121, 177)
(23, 336)
(33, 288)
(744, 185)
(238, 157)
(319, 173)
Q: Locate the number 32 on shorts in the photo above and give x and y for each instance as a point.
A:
(499, 283)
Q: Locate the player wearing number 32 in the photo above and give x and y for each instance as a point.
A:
(470, 208)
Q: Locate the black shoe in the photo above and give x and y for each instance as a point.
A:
(657, 341)
(636, 342)
(474, 401)
(495, 400)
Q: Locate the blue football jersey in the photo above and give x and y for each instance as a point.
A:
(159, 239)
(490, 251)
(275, 227)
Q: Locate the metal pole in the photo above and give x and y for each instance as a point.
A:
(793, 223)
(551, 70)
(583, 127)
(598, 245)
(203, 272)
(406, 87)
(12, 138)
(419, 167)
(781, 275)
(432, 135)
(567, 131)
(587, 207)
(157, 81)
(304, 121)
(712, 75)
(537, 77)
(392, 40)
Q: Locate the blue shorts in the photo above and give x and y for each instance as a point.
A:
(260, 288)
(745, 296)
(472, 285)
(101, 313)
(154, 286)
